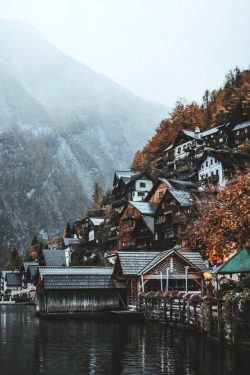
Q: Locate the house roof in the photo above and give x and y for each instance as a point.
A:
(82, 282)
(96, 221)
(149, 221)
(243, 125)
(228, 158)
(74, 271)
(13, 279)
(239, 262)
(27, 264)
(138, 175)
(168, 148)
(54, 257)
(71, 241)
(192, 134)
(32, 268)
(183, 197)
(4, 272)
(136, 263)
(132, 262)
(181, 184)
(144, 207)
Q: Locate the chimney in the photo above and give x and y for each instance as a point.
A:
(197, 129)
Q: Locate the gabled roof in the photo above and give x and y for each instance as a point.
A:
(120, 174)
(32, 268)
(144, 207)
(183, 197)
(13, 279)
(27, 264)
(229, 159)
(96, 221)
(82, 282)
(74, 271)
(149, 221)
(136, 263)
(139, 175)
(54, 257)
(239, 262)
(181, 184)
(4, 272)
(132, 262)
(71, 241)
(243, 125)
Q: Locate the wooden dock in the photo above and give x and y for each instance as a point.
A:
(127, 315)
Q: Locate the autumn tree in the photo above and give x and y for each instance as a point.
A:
(14, 260)
(97, 193)
(221, 225)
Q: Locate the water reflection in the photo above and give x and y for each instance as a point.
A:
(94, 346)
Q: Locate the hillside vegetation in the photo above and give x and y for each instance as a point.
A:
(231, 103)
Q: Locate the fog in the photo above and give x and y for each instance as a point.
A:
(159, 50)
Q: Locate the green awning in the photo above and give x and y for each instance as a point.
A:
(239, 262)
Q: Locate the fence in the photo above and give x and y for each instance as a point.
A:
(209, 318)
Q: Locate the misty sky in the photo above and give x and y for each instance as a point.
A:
(158, 49)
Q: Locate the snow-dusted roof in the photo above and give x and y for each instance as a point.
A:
(209, 132)
(96, 221)
(74, 271)
(243, 125)
(144, 207)
(183, 197)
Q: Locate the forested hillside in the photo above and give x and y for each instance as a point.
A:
(231, 103)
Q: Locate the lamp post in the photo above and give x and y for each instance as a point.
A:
(186, 276)
(167, 272)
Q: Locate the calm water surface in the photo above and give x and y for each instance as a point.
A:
(96, 346)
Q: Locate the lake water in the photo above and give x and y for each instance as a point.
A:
(96, 346)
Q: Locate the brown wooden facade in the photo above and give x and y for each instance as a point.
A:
(127, 223)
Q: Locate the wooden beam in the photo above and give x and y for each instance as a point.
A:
(121, 299)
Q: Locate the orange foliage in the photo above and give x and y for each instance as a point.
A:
(221, 225)
(228, 104)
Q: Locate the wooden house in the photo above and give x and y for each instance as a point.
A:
(129, 217)
(79, 289)
(170, 218)
(217, 166)
(167, 270)
(134, 186)
(241, 132)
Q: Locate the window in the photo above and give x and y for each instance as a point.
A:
(246, 130)
(220, 132)
(215, 161)
(130, 211)
(161, 219)
(163, 205)
(212, 136)
(171, 202)
(206, 163)
(238, 132)
(142, 184)
(179, 150)
(169, 234)
(211, 162)
(156, 236)
(202, 166)
(140, 194)
(160, 194)
(221, 140)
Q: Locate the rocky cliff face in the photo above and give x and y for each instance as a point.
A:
(62, 127)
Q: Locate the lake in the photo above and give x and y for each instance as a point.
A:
(96, 346)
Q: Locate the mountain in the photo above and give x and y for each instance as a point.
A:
(62, 127)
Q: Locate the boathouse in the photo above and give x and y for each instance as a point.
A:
(79, 289)
(167, 270)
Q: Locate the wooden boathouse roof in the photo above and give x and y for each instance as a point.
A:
(75, 271)
(82, 282)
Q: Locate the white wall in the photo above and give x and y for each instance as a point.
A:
(139, 189)
(212, 166)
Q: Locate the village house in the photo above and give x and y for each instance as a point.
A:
(217, 166)
(131, 214)
(55, 258)
(154, 271)
(170, 218)
(28, 271)
(79, 289)
(132, 186)
(241, 133)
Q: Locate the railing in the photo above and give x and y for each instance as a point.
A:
(207, 318)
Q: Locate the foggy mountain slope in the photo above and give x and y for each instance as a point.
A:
(62, 127)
